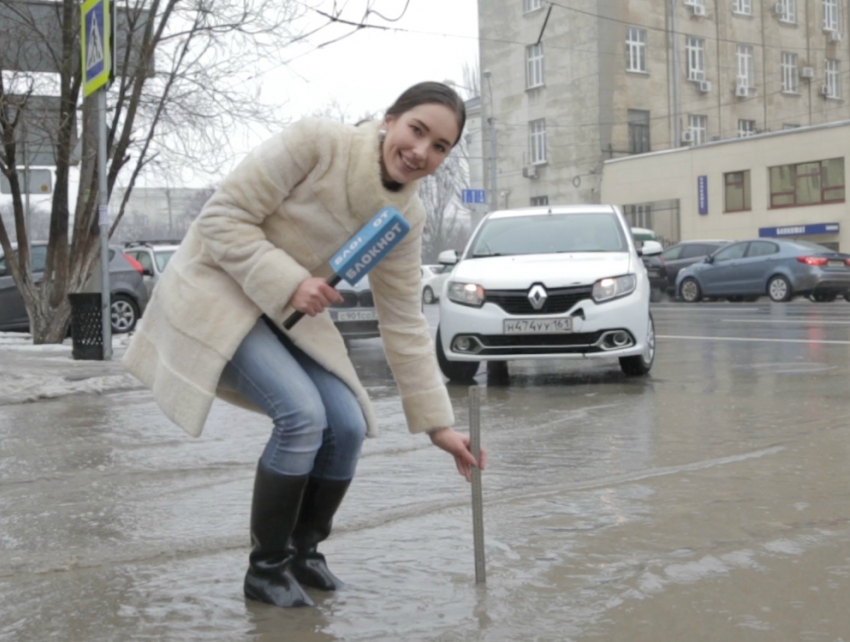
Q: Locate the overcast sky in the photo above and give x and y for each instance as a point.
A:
(368, 70)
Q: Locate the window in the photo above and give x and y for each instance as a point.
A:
(742, 6)
(746, 128)
(746, 74)
(833, 79)
(807, 183)
(697, 125)
(695, 55)
(789, 73)
(534, 66)
(830, 15)
(636, 49)
(638, 131)
(761, 248)
(673, 253)
(737, 186)
(144, 259)
(38, 258)
(537, 141)
(694, 250)
(639, 215)
(730, 253)
(537, 201)
(787, 10)
(531, 5)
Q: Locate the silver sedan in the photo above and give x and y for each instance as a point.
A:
(777, 268)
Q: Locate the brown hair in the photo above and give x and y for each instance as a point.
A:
(425, 93)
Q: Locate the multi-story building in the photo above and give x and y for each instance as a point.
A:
(571, 85)
(158, 212)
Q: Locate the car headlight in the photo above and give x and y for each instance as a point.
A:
(614, 287)
(466, 294)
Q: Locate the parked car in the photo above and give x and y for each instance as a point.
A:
(547, 283)
(780, 269)
(433, 278)
(356, 317)
(153, 257)
(127, 287)
(664, 268)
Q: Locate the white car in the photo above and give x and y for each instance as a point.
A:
(547, 283)
(153, 257)
(433, 277)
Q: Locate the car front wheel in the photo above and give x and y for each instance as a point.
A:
(428, 295)
(125, 313)
(690, 291)
(459, 371)
(779, 289)
(640, 364)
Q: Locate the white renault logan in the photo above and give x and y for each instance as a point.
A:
(546, 283)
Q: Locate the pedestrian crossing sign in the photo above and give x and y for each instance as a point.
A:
(95, 32)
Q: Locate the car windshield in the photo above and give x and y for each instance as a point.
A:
(548, 234)
(640, 237)
(163, 257)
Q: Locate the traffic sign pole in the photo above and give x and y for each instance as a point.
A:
(96, 41)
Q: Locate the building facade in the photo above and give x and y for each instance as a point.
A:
(571, 86)
(789, 184)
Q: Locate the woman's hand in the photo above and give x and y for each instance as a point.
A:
(457, 445)
(313, 295)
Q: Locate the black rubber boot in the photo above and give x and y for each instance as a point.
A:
(274, 511)
(321, 501)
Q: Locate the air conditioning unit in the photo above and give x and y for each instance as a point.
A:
(742, 91)
(824, 91)
(687, 137)
(807, 72)
(705, 86)
(835, 36)
(529, 171)
(698, 9)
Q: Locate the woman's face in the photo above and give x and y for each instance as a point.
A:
(417, 141)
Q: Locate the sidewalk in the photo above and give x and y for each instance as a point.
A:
(29, 372)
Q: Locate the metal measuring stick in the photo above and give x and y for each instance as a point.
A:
(477, 499)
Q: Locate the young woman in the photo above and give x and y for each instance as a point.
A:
(257, 252)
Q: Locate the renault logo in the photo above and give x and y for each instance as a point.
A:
(537, 296)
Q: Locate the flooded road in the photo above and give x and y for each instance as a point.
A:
(709, 501)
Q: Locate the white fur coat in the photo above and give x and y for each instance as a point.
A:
(276, 220)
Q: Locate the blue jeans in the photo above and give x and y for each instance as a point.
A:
(319, 425)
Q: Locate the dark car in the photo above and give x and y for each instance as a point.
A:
(129, 293)
(356, 317)
(664, 269)
(778, 268)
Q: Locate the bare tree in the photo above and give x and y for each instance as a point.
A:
(180, 89)
(447, 226)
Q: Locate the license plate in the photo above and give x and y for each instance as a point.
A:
(653, 273)
(356, 315)
(839, 264)
(538, 326)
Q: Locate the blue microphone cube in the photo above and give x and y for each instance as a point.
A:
(371, 244)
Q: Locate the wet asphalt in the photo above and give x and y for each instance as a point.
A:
(708, 501)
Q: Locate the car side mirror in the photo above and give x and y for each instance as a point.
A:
(448, 257)
(651, 248)
(147, 272)
(709, 259)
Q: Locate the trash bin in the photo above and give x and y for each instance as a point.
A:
(86, 326)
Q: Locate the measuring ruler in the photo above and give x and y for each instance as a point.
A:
(477, 498)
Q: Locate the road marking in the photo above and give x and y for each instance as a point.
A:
(798, 321)
(752, 340)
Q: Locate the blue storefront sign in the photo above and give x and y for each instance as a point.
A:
(799, 230)
(702, 194)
